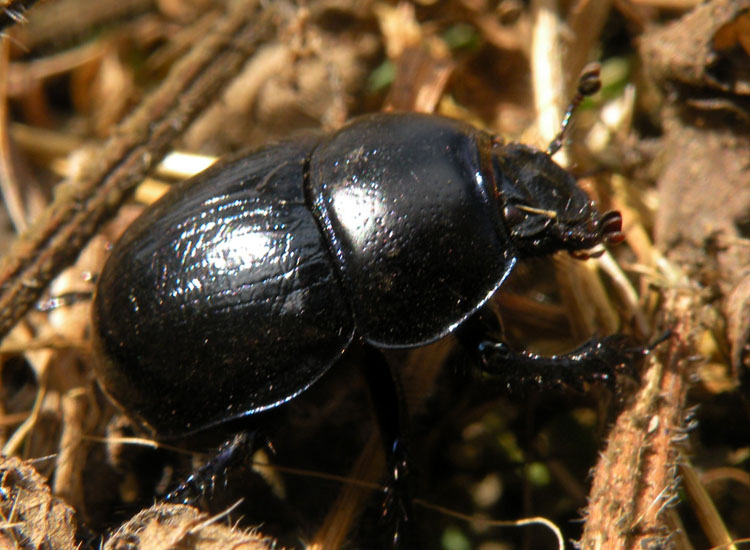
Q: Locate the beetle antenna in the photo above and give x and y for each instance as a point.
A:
(588, 84)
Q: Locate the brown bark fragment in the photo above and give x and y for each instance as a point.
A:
(35, 518)
(183, 527)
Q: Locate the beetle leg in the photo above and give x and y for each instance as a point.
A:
(598, 360)
(231, 453)
(387, 397)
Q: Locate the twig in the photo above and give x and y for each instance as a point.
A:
(64, 21)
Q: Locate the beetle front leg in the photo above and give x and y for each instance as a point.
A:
(598, 360)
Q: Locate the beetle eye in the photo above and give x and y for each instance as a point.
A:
(513, 216)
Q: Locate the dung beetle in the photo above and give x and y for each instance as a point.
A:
(239, 288)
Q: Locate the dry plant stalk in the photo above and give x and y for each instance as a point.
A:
(635, 479)
(113, 170)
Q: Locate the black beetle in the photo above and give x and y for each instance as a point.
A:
(238, 289)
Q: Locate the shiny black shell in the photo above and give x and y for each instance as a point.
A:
(413, 224)
(238, 289)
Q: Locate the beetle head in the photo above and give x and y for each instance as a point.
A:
(544, 209)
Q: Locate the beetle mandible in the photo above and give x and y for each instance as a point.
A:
(239, 288)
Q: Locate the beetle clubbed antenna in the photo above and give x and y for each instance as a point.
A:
(608, 231)
(610, 227)
(588, 84)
